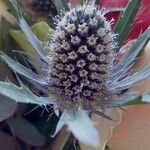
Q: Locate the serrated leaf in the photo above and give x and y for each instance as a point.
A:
(125, 21)
(126, 62)
(80, 125)
(17, 67)
(22, 94)
(133, 79)
(24, 130)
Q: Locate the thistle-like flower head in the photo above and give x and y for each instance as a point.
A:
(79, 75)
(83, 55)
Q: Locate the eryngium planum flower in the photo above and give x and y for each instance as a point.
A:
(83, 52)
(79, 75)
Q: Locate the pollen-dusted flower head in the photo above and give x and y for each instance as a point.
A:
(83, 54)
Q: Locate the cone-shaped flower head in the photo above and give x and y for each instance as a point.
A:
(83, 55)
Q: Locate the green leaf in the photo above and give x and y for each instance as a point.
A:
(19, 37)
(26, 131)
(41, 31)
(125, 21)
(32, 39)
(22, 94)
